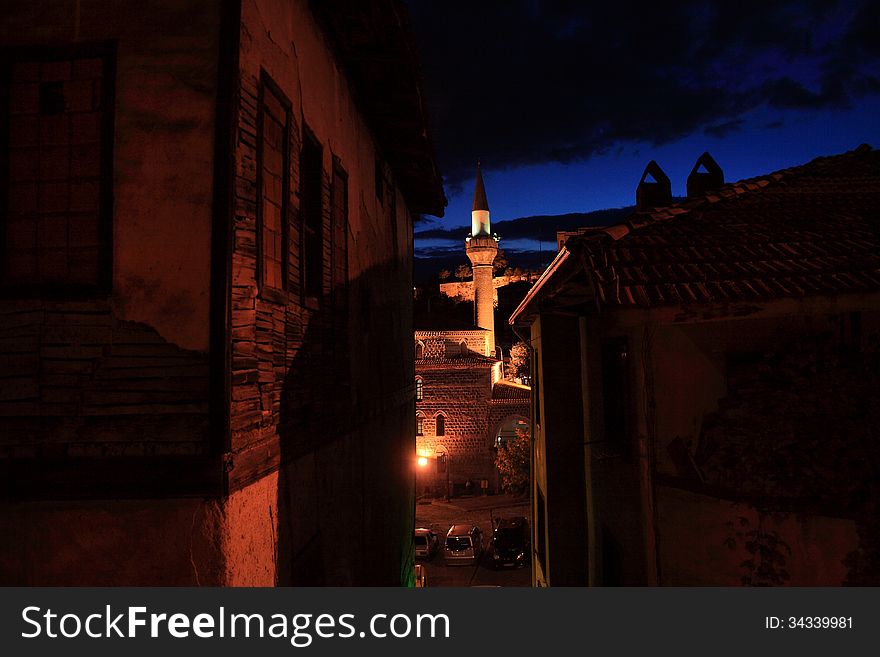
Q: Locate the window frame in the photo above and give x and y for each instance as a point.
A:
(440, 423)
(338, 180)
(107, 52)
(536, 386)
(540, 542)
(267, 292)
(616, 390)
(309, 296)
(379, 181)
(392, 213)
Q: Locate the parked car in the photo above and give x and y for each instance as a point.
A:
(427, 543)
(464, 545)
(511, 543)
(421, 576)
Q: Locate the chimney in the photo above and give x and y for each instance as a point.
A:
(705, 177)
(654, 193)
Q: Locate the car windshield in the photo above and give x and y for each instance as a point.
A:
(421, 540)
(507, 538)
(458, 542)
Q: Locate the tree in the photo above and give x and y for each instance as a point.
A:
(500, 263)
(513, 461)
(463, 272)
(520, 364)
(444, 275)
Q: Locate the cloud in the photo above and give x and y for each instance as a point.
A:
(790, 94)
(721, 130)
(538, 228)
(440, 251)
(521, 82)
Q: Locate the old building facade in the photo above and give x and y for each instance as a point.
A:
(206, 276)
(464, 407)
(705, 382)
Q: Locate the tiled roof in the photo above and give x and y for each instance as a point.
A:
(808, 230)
(507, 390)
(458, 361)
(436, 321)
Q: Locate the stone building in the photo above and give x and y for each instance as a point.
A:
(464, 290)
(205, 280)
(706, 380)
(464, 407)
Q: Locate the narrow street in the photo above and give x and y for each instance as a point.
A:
(439, 516)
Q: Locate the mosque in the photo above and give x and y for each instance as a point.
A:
(465, 408)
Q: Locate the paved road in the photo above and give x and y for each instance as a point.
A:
(441, 516)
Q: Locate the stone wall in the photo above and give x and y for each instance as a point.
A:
(464, 290)
(462, 393)
(447, 344)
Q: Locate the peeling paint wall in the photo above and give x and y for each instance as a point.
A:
(250, 537)
(677, 374)
(122, 375)
(142, 350)
(694, 532)
(164, 113)
(320, 470)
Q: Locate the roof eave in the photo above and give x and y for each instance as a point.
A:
(384, 90)
(526, 308)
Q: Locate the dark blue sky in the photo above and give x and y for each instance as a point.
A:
(609, 180)
(565, 102)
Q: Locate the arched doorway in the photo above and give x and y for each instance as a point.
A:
(506, 429)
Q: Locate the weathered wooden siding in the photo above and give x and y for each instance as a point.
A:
(322, 386)
(125, 372)
(72, 376)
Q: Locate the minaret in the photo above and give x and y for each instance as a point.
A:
(482, 247)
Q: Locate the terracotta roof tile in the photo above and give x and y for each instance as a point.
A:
(461, 361)
(812, 229)
(506, 390)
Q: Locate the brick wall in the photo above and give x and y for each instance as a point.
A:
(463, 394)
(447, 344)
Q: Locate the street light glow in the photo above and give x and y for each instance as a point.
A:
(423, 461)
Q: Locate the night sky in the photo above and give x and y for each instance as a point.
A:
(565, 102)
